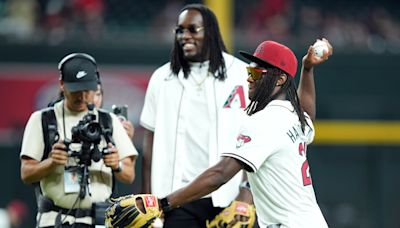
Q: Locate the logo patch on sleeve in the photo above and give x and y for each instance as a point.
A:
(241, 140)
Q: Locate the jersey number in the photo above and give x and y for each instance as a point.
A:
(305, 169)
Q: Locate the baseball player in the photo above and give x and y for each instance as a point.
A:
(271, 147)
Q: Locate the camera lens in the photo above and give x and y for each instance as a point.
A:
(91, 132)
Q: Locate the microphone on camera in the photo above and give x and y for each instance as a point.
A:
(90, 106)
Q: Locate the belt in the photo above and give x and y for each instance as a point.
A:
(274, 226)
(47, 205)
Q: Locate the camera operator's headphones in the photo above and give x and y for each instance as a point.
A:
(77, 55)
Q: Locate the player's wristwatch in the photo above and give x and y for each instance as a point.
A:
(245, 184)
(119, 169)
(164, 204)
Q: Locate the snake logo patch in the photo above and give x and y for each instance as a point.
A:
(236, 98)
(241, 140)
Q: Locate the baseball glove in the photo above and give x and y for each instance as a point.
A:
(232, 214)
(125, 211)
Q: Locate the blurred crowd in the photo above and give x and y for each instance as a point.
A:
(354, 25)
(14, 214)
(363, 25)
(52, 21)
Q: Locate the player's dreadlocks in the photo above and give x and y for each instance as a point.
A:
(264, 89)
(213, 45)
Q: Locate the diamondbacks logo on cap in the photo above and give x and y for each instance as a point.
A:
(259, 50)
(275, 54)
(81, 74)
(241, 140)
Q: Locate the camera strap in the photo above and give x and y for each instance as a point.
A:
(105, 122)
(50, 133)
(106, 125)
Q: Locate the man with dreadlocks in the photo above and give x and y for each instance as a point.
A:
(192, 108)
(271, 146)
(192, 114)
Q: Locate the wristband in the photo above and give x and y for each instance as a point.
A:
(119, 169)
(165, 206)
(245, 184)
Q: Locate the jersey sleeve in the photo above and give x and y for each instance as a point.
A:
(148, 115)
(32, 142)
(121, 139)
(309, 132)
(253, 144)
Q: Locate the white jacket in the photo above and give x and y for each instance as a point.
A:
(161, 113)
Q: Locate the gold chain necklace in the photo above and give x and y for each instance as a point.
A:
(199, 83)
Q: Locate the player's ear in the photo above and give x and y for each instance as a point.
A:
(281, 80)
(62, 85)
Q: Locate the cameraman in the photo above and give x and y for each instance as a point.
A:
(60, 202)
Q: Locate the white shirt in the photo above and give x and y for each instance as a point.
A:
(167, 110)
(197, 122)
(4, 218)
(273, 146)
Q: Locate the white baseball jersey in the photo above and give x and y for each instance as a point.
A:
(170, 110)
(273, 146)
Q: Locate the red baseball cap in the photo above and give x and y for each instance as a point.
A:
(274, 54)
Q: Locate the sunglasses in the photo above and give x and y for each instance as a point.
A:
(191, 29)
(255, 73)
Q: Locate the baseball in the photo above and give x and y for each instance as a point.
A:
(157, 223)
(319, 48)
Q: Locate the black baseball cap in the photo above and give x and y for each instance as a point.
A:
(79, 72)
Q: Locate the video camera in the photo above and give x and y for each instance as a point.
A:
(87, 133)
(87, 130)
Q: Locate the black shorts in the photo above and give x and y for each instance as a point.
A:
(192, 215)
